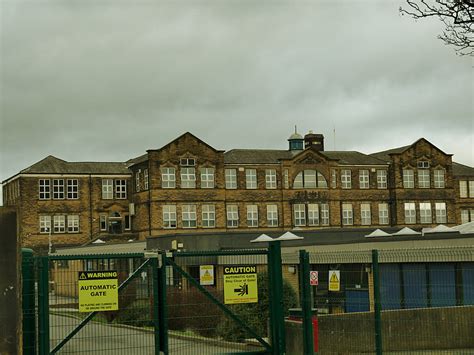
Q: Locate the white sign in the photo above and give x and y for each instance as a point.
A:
(313, 278)
(206, 275)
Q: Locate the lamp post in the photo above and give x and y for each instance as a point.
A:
(277, 319)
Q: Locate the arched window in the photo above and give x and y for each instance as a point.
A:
(309, 179)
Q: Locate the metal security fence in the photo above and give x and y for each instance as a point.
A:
(393, 301)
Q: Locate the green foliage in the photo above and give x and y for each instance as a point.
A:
(138, 314)
(255, 315)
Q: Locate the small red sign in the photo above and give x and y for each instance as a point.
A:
(313, 278)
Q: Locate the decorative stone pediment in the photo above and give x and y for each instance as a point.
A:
(310, 158)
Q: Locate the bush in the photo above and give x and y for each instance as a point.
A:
(255, 315)
(137, 313)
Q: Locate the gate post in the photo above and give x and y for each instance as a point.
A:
(276, 298)
(162, 314)
(28, 302)
(377, 304)
(305, 290)
(43, 305)
(156, 304)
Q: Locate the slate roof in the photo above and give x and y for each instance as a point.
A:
(262, 156)
(385, 155)
(462, 170)
(53, 165)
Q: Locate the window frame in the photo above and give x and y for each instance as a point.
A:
(365, 214)
(252, 216)
(299, 215)
(207, 177)
(383, 213)
(364, 179)
(382, 179)
(72, 189)
(59, 224)
(169, 211)
(424, 178)
(270, 179)
(346, 179)
(313, 214)
(44, 189)
(188, 216)
(58, 189)
(272, 215)
(73, 223)
(324, 216)
(107, 189)
(251, 179)
(208, 212)
(347, 214)
(409, 209)
(120, 189)
(168, 177)
(230, 178)
(441, 215)
(103, 223)
(145, 179)
(408, 178)
(439, 178)
(188, 177)
(425, 213)
(45, 224)
(232, 216)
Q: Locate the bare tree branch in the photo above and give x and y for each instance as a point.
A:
(457, 16)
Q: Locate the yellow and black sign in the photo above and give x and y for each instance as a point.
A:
(334, 280)
(240, 284)
(98, 291)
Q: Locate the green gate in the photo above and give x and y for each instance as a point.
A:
(164, 305)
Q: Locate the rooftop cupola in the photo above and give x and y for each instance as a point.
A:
(314, 140)
(296, 141)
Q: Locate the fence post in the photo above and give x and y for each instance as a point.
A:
(377, 304)
(156, 304)
(43, 305)
(305, 300)
(276, 297)
(28, 302)
(162, 314)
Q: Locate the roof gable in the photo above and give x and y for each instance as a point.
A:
(184, 136)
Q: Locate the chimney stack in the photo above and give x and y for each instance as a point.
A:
(314, 140)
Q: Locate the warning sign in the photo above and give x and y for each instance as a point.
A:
(206, 275)
(98, 291)
(240, 284)
(334, 280)
(313, 278)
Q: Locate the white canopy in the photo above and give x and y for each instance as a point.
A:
(378, 233)
(406, 231)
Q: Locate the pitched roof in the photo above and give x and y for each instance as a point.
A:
(462, 170)
(385, 155)
(53, 165)
(353, 158)
(257, 156)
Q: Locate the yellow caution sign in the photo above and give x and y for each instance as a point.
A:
(240, 284)
(334, 280)
(98, 291)
(206, 274)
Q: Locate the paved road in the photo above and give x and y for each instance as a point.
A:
(107, 339)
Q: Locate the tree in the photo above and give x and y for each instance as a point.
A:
(457, 16)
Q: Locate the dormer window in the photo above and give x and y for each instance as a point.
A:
(187, 162)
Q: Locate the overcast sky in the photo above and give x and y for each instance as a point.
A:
(106, 80)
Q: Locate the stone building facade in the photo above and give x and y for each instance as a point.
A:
(187, 186)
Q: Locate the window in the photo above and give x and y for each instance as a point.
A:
(137, 181)
(207, 178)
(59, 224)
(72, 189)
(471, 188)
(381, 179)
(333, 178)
(188, 178)
(189, 216)
(346, 179)
(232, 216)
(286, 179)
(44, 189)
(363, 179)
(230, 178)
(309, 179)
(464, 216)
(347, 216)
(121, 189)
(45, 224)
(168, 178)
(107, 189)
(272, 215)
(365, 216)
(250, 178)
(463, 189)
(270, 179)
(383, 213)
(408, 179)
(187, 162)
(313, 214)
(324, 214)
(423, 179)
(410, 213)
(128, 222)
(440, 211)
(208, 216)
(169, 216)
(423, 165)
(145, 179)
(73, 223)
(425, 212)
(299, 214)
(252, 216)
(438, 178)
(103, 222)
(58, 189)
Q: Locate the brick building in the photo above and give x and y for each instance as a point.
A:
(189, 186)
